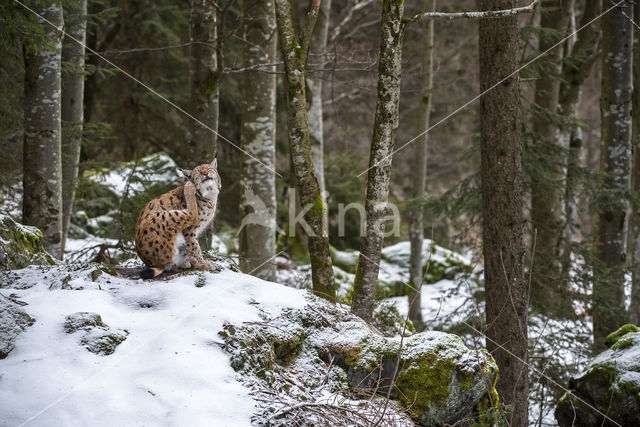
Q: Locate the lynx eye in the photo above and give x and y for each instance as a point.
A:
(206, 178)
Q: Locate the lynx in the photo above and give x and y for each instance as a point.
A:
(168, 227)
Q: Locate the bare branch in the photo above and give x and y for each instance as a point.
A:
(307, 31)
(475, 15)
(348, 17)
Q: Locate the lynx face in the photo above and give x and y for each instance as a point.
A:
(206, 180)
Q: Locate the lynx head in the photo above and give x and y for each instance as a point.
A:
(206, 179)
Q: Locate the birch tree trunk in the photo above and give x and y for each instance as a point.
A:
(204, 81)
(317, 49)
(75, 18)
(42, 181)
(379, 174)
(503, 248)
(294, 47)
(634, 307)
(548, 186)
(257, 136)
(416, 226)
(615, 153)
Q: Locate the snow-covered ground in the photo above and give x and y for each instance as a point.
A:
(169, 370)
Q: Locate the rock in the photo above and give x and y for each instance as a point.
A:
(13, 321)
(96, 337)
(438, 377)
(610, 383)
(21, 245)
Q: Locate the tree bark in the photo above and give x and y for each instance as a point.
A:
(75, 18)
(204, 81)
(42, 181)
(416, 225)
(257, 136)
(548, 182)
(634, 307)
(615, 153)
(317, 49)
(379, 173)
(577, 68)
(503, 249)
(294, 47)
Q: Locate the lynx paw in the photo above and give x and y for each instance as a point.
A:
(203, 265)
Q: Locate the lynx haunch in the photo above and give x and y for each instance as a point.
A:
(168, 227)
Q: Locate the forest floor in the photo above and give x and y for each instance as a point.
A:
(171, 370)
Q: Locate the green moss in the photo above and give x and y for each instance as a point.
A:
(200, 281)
(623, 342)
(425, 382)
(296, 48)
(615, 336)
(95, 274)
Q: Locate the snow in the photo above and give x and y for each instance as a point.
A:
(169, 370)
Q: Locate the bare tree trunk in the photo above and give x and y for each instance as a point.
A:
(75, 18)
(294, 47)
(548, 186)
(634, 307)
(317, 49)
(204, 81)
(257, 136)
(42, 181)
(379, 174)
(503, 222)
(615, 153)
(416, 226)
(575, 71)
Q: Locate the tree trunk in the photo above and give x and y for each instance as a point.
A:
(634, 307)
(75, 18)
(615, 153)
(503, 249)
(204, 81)
(317, 49)
(294, 49)
(416, 226)
(42, 202)
(379, 174)
(548, 182)
(257, 136)
(576, 69)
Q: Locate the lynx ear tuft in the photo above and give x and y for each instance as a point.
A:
(214, 163)
(186, 173)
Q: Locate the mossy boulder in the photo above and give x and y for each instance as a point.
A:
(13, 321)
(609, 385)
(109, 200)
(438, 380)
(96, 336)
(21, 245)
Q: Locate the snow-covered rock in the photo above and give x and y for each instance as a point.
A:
(609, 386)
(434, 373)
(438, 262)
(13, 320)
(96, 337)
(21, 245)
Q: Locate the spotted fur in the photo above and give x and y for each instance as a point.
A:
(169, 225)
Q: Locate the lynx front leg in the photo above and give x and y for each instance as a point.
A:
(194, 251)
